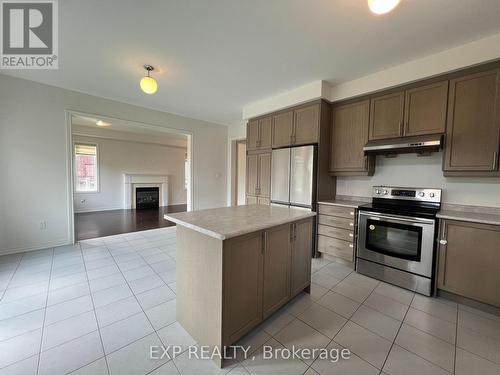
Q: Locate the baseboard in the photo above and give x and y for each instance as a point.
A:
(98, 209)
(116, 208)
(45, 245)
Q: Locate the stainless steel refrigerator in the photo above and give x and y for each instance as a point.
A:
(293, 176)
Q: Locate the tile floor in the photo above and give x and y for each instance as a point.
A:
(97, 307)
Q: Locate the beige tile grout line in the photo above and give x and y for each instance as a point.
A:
(44, 315)
(157, 274)
(95, 314)
(142, 309)
(295, 317)
(456, 342)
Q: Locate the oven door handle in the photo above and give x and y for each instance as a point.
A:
(414, 220)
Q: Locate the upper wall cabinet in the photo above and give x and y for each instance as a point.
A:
(349, 135)
(425, 109)
(259, 134)
(386, 116)
(306, 125)
(282, 129)
(417, 111)
(472, 137)
(296, 127)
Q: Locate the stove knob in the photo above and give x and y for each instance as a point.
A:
(421, 194)
(386, 192)
(377, 191)
(432, 195)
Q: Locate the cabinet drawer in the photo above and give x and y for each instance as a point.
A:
(346, 212)
(338, 248)
(341, 234)
(337, 222)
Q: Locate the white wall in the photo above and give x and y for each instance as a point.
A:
(469, 54)
(117, 157)
(409, 170)
(35, 175)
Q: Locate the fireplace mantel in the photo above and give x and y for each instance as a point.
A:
(133, 181)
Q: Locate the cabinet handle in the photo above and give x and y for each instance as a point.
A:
(495, 160)
(351, 245)
(295, 231)
(351, 213)
(291, 232)
(443, 242)
(351, 235)
(351, 224)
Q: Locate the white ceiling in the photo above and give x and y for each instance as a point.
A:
(213, 57)
(85, 125)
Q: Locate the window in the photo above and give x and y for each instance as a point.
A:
(86, 168)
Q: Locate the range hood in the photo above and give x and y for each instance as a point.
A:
(420, 144)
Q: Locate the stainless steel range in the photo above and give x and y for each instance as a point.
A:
(397, 237)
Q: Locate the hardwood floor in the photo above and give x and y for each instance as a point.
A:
(108, 223)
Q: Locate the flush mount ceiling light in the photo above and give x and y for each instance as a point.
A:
(102, 123)
(382, 6)
(148, 83)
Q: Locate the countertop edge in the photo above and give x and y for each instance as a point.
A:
(471, 217)
(352, 204)
(255, 228)
(197, 228)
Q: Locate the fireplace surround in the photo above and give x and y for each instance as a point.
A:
(136, 181)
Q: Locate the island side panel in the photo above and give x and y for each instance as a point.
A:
(243, 283)
(199, 285)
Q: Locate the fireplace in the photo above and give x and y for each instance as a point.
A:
(147, 197)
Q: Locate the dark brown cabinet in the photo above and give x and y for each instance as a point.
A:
(306, 121)
(301, 256)
(472, 137)
(282, 129)
(349, 134)
(276, 268)
(258, 177)
(386, 116)
(296, 127)
(416, 111)
(469, 260)
(263, 271)
(259, 134)
(243, 268)
(425, 109)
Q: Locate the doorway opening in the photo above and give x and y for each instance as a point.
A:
(125, 176)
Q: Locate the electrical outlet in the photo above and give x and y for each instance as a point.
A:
(43, 225)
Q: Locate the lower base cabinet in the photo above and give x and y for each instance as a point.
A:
(336, 231)
(277, 245)
(301, 256)
(243, 268)
(262, 272)
(469, 260)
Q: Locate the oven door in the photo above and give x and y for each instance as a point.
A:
(402, 242)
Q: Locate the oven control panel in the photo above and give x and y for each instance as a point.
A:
(417, 194)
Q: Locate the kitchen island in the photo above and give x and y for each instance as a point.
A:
(238, 265)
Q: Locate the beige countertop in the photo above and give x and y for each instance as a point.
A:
(343, 203)
(474, 217)
(227, 222)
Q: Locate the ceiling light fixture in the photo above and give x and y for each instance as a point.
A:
(148, 83)
(102, 123)
(382, 6)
